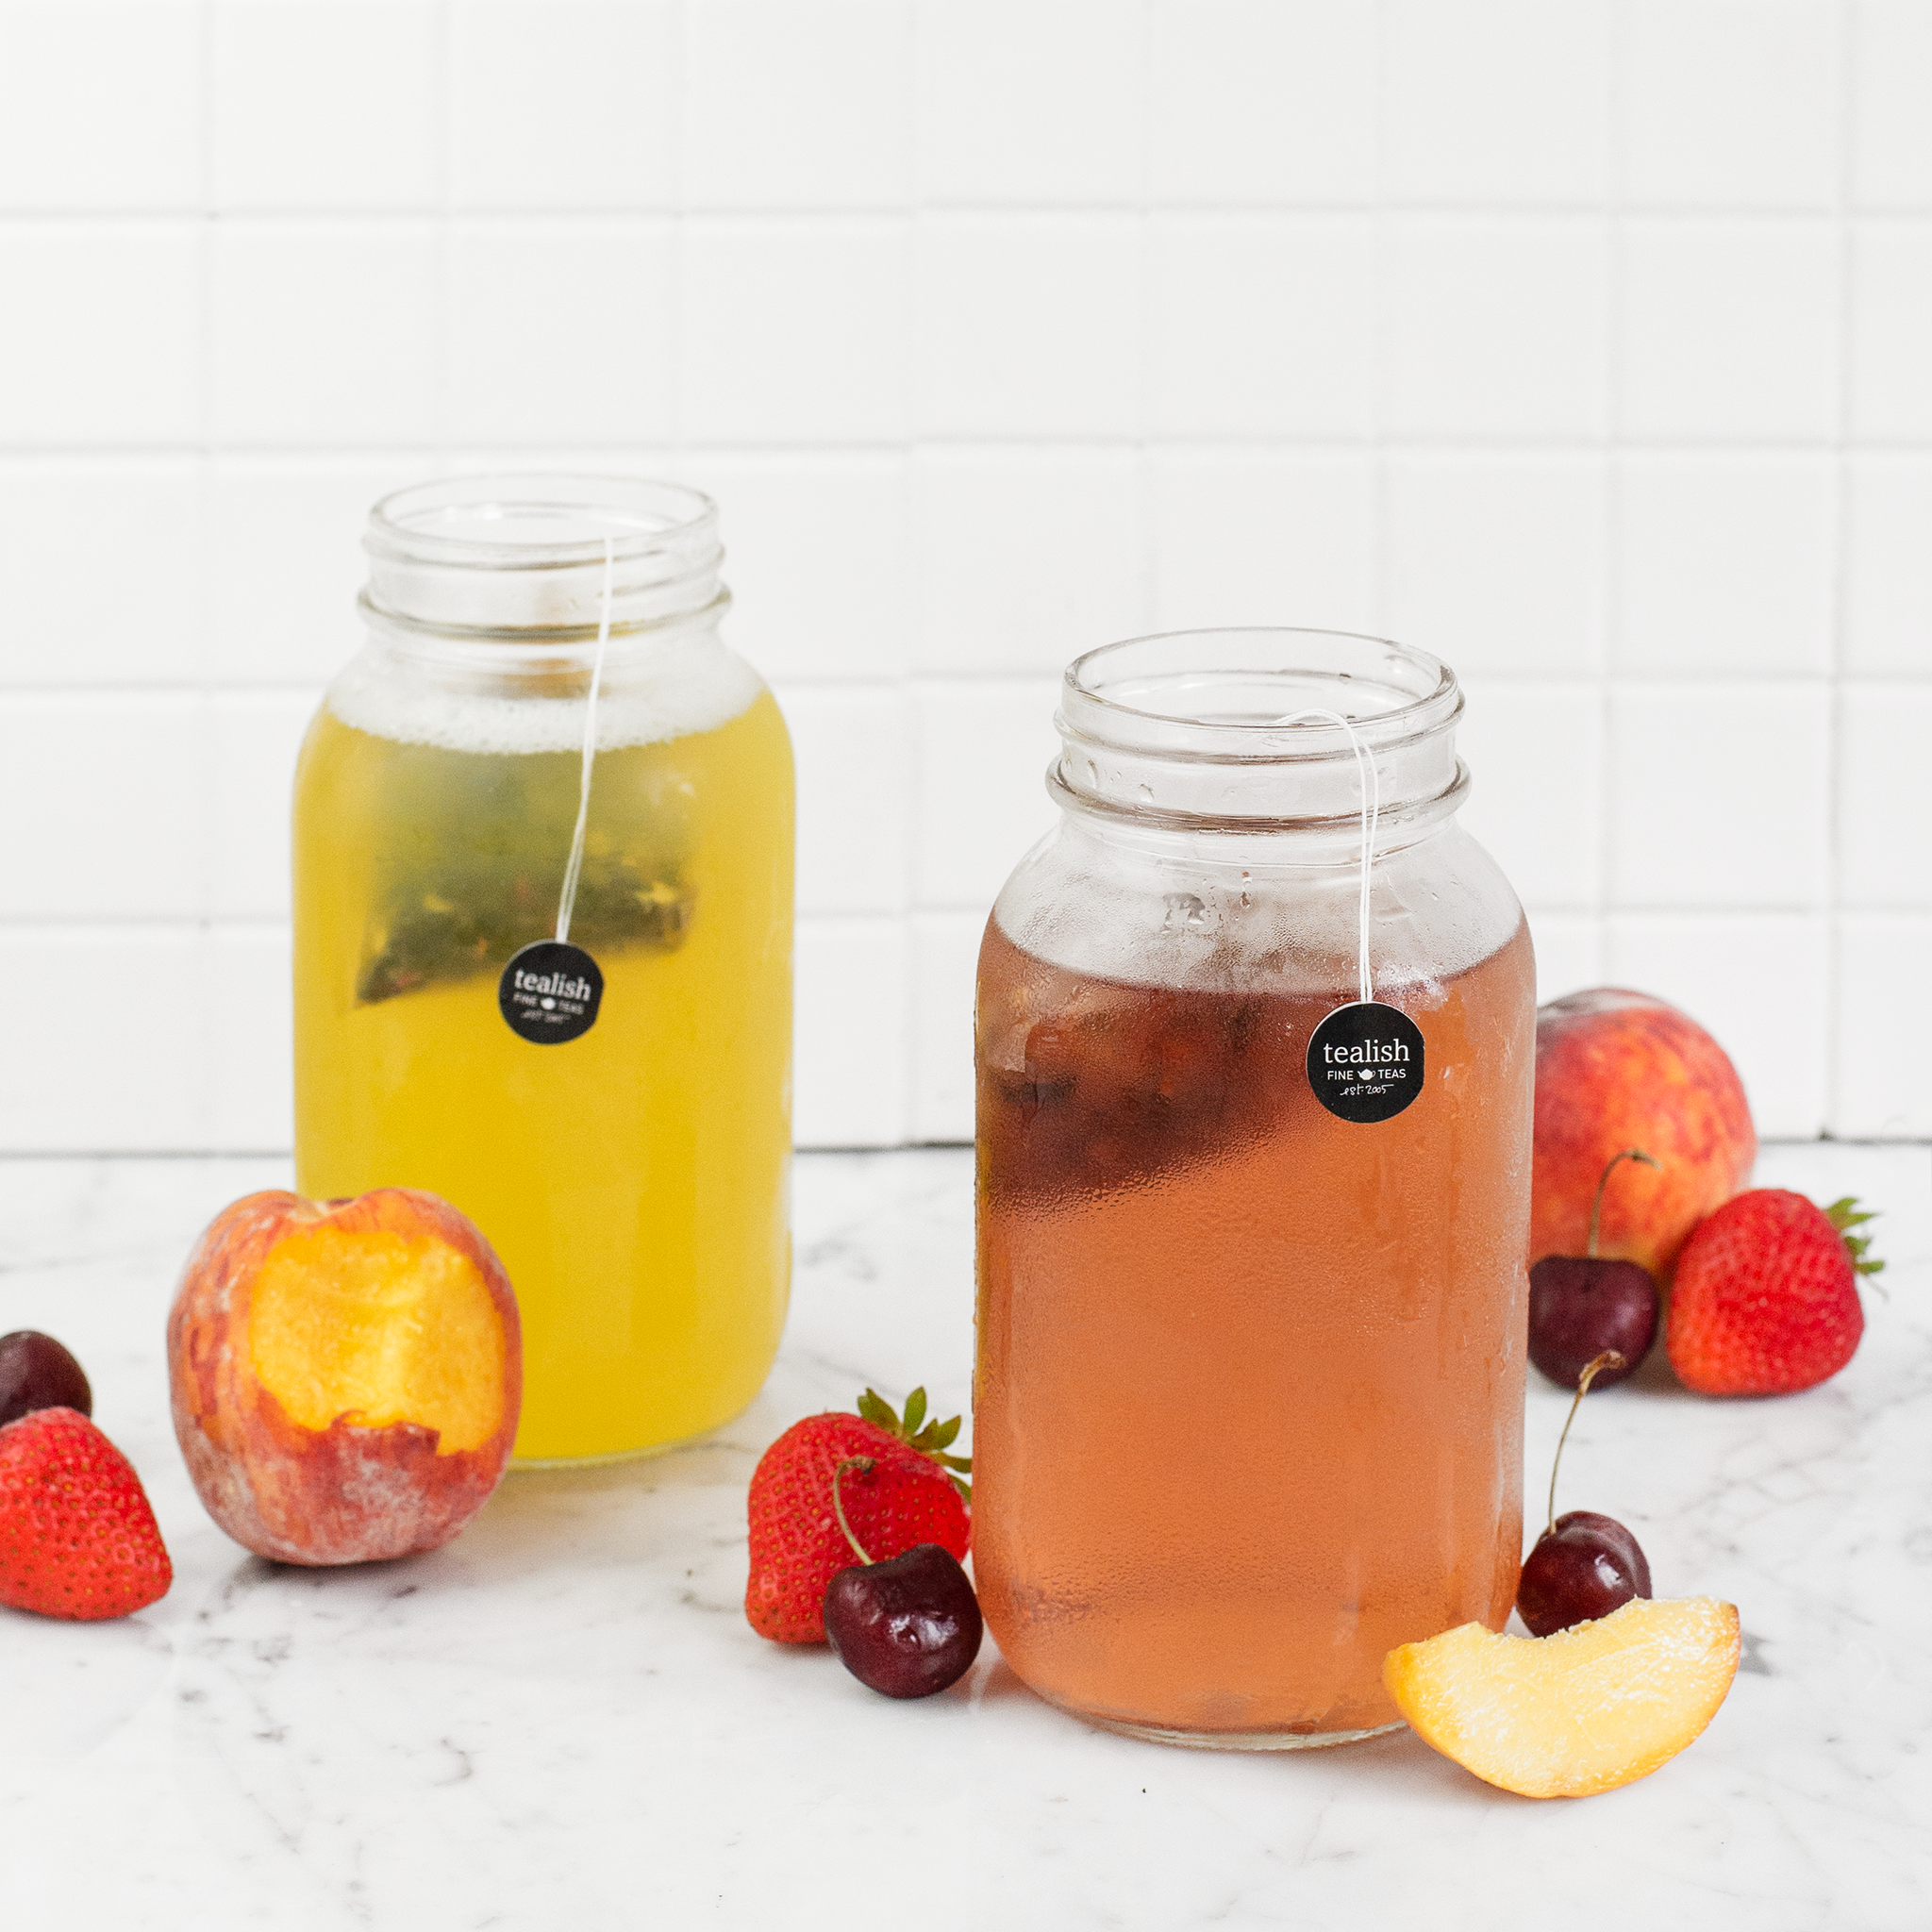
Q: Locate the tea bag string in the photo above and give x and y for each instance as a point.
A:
(567, 903)
(1372, 808)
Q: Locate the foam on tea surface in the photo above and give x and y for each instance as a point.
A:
(692, 685)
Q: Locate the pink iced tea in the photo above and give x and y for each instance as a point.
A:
(1249, 1396)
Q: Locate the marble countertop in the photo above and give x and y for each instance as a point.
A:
(563, 1719)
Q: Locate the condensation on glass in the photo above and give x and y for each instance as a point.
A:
(1248, 1400)
(634, 1177)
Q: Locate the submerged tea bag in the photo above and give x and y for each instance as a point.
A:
(480, 878)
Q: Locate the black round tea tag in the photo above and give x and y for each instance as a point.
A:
(1365, 1061)
(550, 992)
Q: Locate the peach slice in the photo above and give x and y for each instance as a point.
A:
(1584, 1711)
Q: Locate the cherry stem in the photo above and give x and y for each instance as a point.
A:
(1596, 1206)
(864, 1464)
(1610, 1358)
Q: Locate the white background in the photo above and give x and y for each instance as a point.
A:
(1587, 344)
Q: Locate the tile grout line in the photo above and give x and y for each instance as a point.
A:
(1287, 446)
(1580, 211)
(1832, 1027)
(1381, 277)
(205, 1021)
(1610, 634)
(444, 270)
(911, 611)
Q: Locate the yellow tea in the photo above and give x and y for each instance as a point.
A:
(634, 1179)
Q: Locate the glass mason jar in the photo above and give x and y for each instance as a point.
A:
(1248, 1403)
(633, 1172)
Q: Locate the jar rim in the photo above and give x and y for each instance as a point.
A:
(553, 554)
(1278, 662)
(639, 515)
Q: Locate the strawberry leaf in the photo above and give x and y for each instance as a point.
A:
(1843, 1215)
(931, 1438)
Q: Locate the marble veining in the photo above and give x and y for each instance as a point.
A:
(563, 1719)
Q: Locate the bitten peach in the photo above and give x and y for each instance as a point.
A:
(1617, 1070)
(345, 1374)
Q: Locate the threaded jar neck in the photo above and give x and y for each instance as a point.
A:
(1182, 732)
(523, 558)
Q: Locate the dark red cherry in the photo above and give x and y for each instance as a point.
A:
(907, 1626)
(1579, 1308)
(1613, 1531)
(37, 1372)
(1584, 1567)
(1582, 1308)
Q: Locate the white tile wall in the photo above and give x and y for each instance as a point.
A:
(793, 331)
(980, 750)
(1887, 565)
(1890, 143)
(1240, 530)
(64, 627)
(1028, 325)
(1885, 795)
(820, 556)
(1016, 550)
(145, 1081)
(323, 333)
(282, 560)
(945, 950)
(1537, 754)
(798, 106)
(101, 333)
(104, 798)
(1260, 103)
(324, 104)
(1719, 795)
(1231, 294)
(594, 368)
(1496, 327)
(1883, 1087)
(1501, 558)
(1731, 103)
(1729, 329)
(1022, 105)
(1581, 342)
(853, 981)
(1892, 307)
(87, 134)
(1497, 100)
(853, 748)
(1726, 564)
(562, 103)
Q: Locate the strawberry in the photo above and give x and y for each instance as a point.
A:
(1765, 1300)
(78, 1537)
(901, 1494)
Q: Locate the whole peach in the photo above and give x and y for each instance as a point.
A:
(345, 1376)
(1615, 1069)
